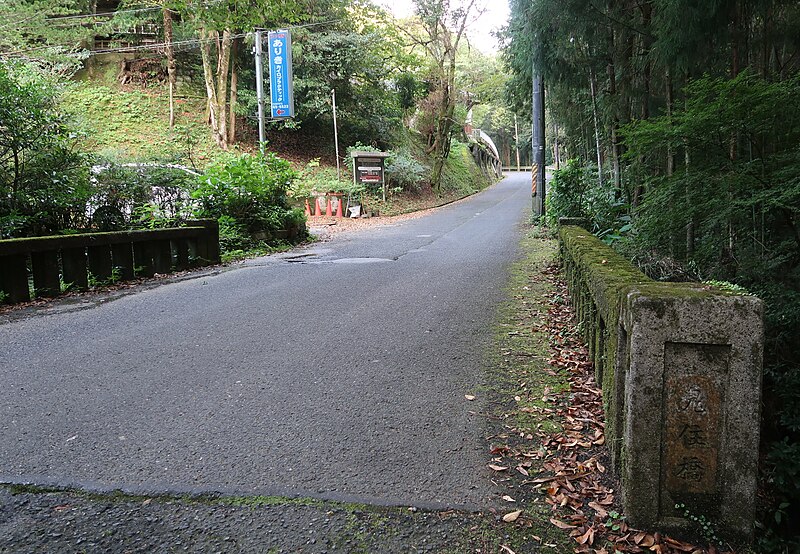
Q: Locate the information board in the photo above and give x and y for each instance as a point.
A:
(369, 170)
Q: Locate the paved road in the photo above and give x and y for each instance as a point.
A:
(337, 374)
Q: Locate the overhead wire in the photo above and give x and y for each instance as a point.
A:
(59, 19)
(158, 46)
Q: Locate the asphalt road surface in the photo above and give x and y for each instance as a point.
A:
(337, 371)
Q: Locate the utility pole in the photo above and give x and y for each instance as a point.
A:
(537, 165)
(260, 90)
(336, 135)
(516, 140)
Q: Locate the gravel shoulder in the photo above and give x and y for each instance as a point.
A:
(74, 522)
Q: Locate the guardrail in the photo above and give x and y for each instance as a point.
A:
(680, 367)
(48, 266)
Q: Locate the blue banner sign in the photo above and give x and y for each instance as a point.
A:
(280, 73)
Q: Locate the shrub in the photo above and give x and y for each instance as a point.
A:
(248, 194)
(44, 178)
(566, 193)
(141, 194)
(575, 192)
(404, 171)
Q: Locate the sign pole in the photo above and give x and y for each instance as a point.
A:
(336, 135)
(516, 140)
(260, 90)
(537, 169)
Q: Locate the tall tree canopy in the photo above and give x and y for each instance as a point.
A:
(692, 110)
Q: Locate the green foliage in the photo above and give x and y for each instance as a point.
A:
(728, 287)
(461, 174)
(751, 195)
(132, 125)
(409, 90)
(404, 171)
(614, 521)
(705, 526)
(738, 193)
(355, 65)
(140, 195)
(316, 179)
(248, 195)
(44, 181)
(575, 192)
(31, 33)
(566, 194)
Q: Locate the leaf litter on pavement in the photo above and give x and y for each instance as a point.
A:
(551, 448)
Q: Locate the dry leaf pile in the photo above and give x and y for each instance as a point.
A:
(577, 485)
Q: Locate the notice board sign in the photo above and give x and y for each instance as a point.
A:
(368, 167)
(281, 87)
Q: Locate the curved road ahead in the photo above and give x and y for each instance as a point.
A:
(337, 371)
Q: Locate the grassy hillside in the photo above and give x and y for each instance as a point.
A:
(129, 124)
(124, 123)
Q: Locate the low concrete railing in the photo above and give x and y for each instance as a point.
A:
(680, 367)
(55, 263)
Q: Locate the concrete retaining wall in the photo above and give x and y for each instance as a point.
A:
(680, 367)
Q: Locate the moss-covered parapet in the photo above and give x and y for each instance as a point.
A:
(680, 369)
(599, 280)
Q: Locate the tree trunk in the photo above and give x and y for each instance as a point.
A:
(170, 64)
(208, 78)
(690, 226)
(612, 92)
(670, 166)
(234, 91)
(217, 85)
(222, 87)
(556, 152)
(647, 44)
(593, 90)
(734, 140)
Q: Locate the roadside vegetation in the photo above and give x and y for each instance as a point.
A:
(103, 132)
(675, 127)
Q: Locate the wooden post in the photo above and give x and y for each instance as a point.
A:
(14, 278)
(100, 263)
(181, 248)
(143, 259)
(46, 273)
(122, 256)
(162, 259)
(73, 262)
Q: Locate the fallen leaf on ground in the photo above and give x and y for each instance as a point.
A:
(497, 467)
(561, 524)
(598, 508)
(507, 549)
(508, 498)
(469, 396)
(512, 516)
(587, 537)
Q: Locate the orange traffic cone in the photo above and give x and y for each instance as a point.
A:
(339, 206)
(308, 208)
(328, 207)
(317, 209)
